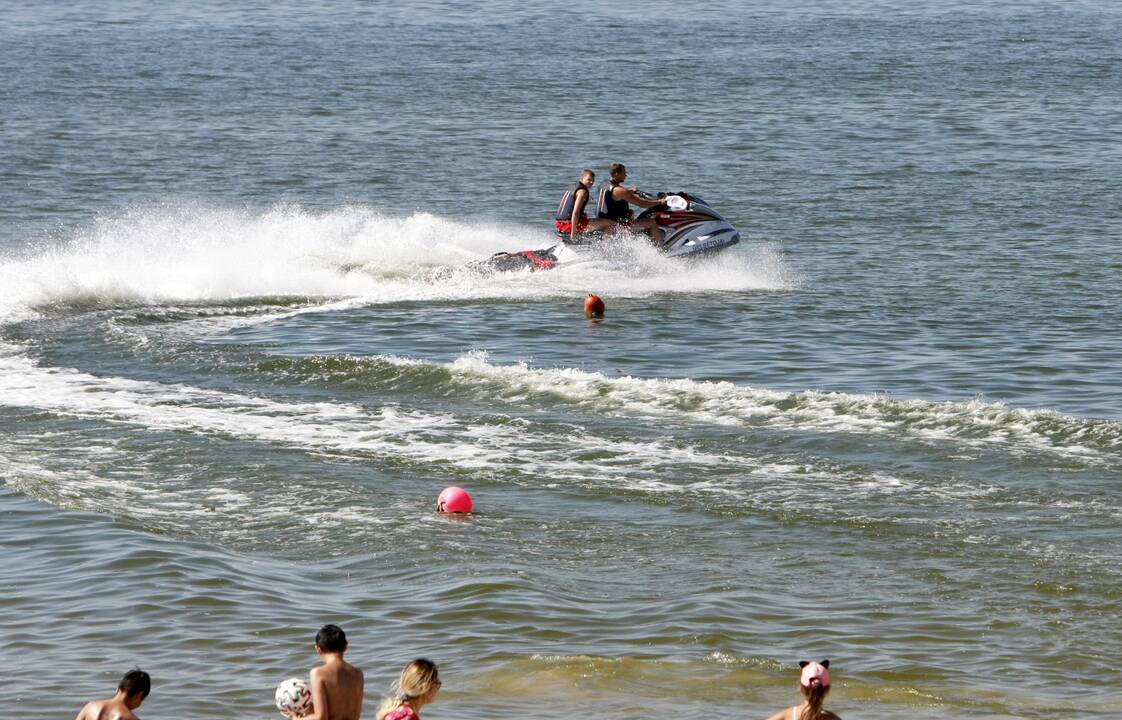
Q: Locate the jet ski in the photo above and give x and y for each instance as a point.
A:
(690, 227)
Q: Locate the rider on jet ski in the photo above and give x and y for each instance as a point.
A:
(570, 211)
(614, 199)
(689, 226)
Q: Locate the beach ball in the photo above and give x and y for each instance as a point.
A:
(294, 696)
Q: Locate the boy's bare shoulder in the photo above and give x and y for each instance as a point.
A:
(342, 670)
(352, 674)
(94, 710)
(105, 710)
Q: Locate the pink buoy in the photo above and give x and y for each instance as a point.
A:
(454, 500)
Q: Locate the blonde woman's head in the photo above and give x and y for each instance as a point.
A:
(419, 680)
(417, 686)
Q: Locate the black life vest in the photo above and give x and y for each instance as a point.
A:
(610, 208)
(568, 200)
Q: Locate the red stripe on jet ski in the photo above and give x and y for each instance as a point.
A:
(540, 262)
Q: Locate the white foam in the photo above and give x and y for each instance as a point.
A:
(198, 254)
(974, 423)
(536, 455)
(91, 479)
(324, 427)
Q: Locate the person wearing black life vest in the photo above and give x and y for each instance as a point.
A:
(615, 201)
(571, 219)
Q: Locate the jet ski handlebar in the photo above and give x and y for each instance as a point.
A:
(663, 195)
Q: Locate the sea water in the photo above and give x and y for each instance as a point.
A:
(885, 429)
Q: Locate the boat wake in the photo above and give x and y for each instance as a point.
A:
(161, 255)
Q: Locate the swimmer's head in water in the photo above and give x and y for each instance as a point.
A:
(815, 673)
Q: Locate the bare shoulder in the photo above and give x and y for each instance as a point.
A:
(99, 710)
(784, 713)
(830, 716)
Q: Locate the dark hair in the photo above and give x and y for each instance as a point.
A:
(616, 168)
(331, 638)
(135, 682)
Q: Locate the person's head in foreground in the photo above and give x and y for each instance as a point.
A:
(134, 687)
(814, 684)
(331, 639)
(417, 687)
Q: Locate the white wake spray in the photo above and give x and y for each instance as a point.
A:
(193, 254)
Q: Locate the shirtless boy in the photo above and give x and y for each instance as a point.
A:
(131, 691)
(336, 685)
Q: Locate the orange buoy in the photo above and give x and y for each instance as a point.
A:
(593, 306)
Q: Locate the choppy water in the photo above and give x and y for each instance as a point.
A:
(885, 429)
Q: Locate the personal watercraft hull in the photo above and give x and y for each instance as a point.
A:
(690, 227)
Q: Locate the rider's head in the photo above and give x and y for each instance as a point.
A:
(587, 177)
(617, 172)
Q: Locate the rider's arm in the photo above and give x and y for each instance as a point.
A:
(578, 211)
(629, 194)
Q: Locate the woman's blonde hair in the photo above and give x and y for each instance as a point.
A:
(418, 682)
